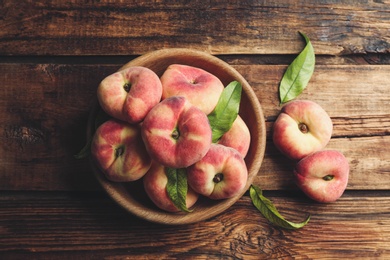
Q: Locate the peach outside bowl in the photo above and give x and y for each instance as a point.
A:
(132, 197)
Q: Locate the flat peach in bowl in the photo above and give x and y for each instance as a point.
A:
(221, 171)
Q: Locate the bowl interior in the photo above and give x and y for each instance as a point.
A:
(133, 198)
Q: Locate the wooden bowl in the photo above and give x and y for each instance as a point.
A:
(133, 198)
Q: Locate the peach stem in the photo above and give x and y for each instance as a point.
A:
(119, 151)
(303, 128)
(127, 87)
(328, 177)
(175, 134)
(218, 178)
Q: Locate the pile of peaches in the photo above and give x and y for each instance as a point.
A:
(301, 132)
(161, 123)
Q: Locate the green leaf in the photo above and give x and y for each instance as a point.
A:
(100, 118)
(270, 212)
(177, 187)
(85, 151)
(226, 110)
(298, 73)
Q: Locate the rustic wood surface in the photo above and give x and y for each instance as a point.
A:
(251, 27)
(66, 226)
(53, 54)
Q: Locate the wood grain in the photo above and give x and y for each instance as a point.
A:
(369, 166)
(218, 27)
(361, 92)
(42, 128)
(88, 225)
(53, 54)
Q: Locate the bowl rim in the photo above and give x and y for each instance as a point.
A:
(168, 218)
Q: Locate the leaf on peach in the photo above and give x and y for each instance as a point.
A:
(85, 151)
(270, 212)
(100, 118)
(226, 110)
(177, 187)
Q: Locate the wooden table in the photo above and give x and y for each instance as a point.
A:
(55, 53)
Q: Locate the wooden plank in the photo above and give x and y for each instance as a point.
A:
(219, 27)
(363, 111)
(44, 108)
(61, 226)
(361, 91)
(369, 159)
